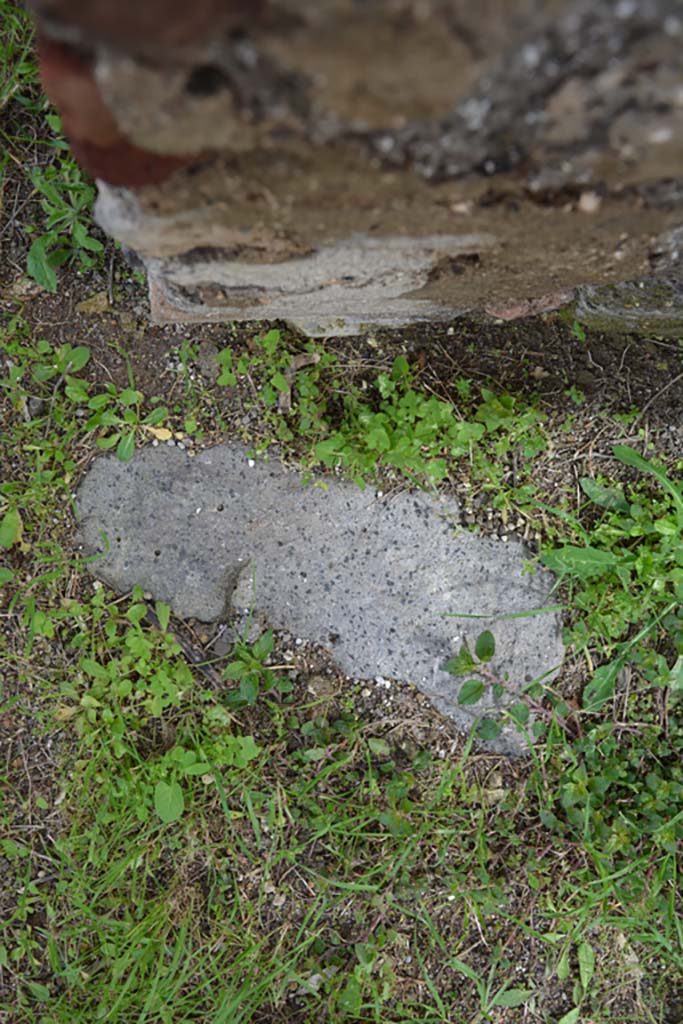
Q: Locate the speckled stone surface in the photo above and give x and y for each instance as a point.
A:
(375, 580)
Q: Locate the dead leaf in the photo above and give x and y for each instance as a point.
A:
(161, 433)
(96, 304)
(63, 714)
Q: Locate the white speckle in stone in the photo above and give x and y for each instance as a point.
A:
(155, 443)
(662, 134)
(384, 683)
(198, 510)
(251, 463)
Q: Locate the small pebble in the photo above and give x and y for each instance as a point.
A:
(589, 202)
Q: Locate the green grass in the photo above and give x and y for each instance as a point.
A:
(242, 851)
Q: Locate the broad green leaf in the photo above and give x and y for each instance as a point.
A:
(40, 992)
(367, 954)
(488, 729)
(605, 497)
(328, 451)
(675, 681)
(315, 754)
(6, 575)
(485, 646)
(92, 244)
(77, 391)
(10, 528)
(586, 964)
(249, 690)
(136, 613)
(563, 966)
(572, 1017)
(270, 341)
(168, 801)
(94, 669)
(264, 645)
(601, 687)
(513, 997)
(397, 824)
(463, 662)
(78, 357)
(519, 713)
(279, 382)
(378, 439)
(350, 999)
(99, 401)
(379, 747)
(235, 670)
(156, 416)
(126, 447)
(107, 442)
(246, 750)
(471, 691)
(129, 396)
(582, 562)
(400, 368)
(38, 267)
(42, 372)
(163, 614)
(197, 768)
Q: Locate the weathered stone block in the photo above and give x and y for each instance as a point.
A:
(242, 141)
(380, 581)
